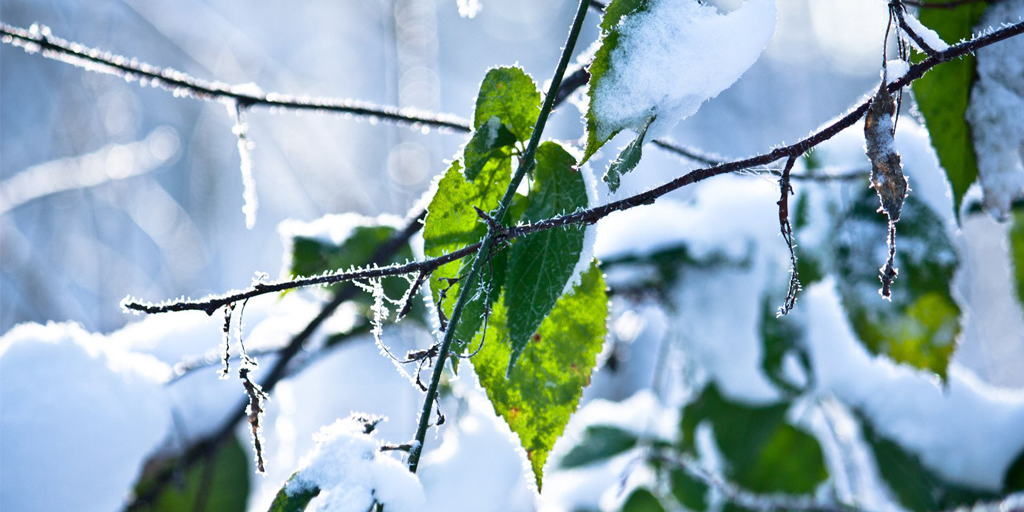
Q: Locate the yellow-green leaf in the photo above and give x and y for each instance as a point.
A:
(544, 388)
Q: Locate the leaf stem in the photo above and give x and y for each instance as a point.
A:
(528, 162)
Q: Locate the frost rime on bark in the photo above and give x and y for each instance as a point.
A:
(886, 172)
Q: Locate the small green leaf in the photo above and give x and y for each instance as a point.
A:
(228, 489)
(451, 225)
(691, 493)
(544, 389)
(512, 96)
(541, 264)
(614, 13)
(763, 453)
(916, 487)
(921, 324)
(627, 160)
(943, 93)
(642, 500)
(492, 141)
(600, 442)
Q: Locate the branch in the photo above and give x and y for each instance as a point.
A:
(592, 215)
(36, 39)
(180, 84)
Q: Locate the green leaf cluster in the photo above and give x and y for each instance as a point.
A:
(222, 487)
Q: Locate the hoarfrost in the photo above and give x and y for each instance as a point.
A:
(245, 147)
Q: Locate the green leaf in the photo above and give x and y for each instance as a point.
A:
(690, 492)
(1017, 251)
(541, 264)
(916, 487)
(600, 442)
(627, 160)
(642, 500)
(492, 141)
(763, 453)
(311, 256)
(544, 389)
(293, 503)
(921, 324)
(602, 62)
(943, 93)
(451, 225)
(511, 95)
(227, 489)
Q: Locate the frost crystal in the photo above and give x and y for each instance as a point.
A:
(673, 57)
(995, 113)
(245, 146)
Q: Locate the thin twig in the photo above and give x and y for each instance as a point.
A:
(182, 84)
(786, 228)
(952, 4)
(896, 7)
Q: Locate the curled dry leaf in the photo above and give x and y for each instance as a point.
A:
(886, 172)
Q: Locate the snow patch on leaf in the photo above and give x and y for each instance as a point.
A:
(672, 57)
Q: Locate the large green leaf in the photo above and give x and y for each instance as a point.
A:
(512, 96)
(541, 264)
(921, 324)
(599, 443)
(224, 488)
(916, 487)
(312, 256)
(943, 93)
(452, 224)
(544, 389)
(602, 62)
(763, 453)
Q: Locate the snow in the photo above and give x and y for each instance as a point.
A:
(673, 57)
(351, 473)
(995, 111)
(79, 419)
(968, 432)
(930, 37)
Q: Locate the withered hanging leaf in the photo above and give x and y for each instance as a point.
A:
(886, 172)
